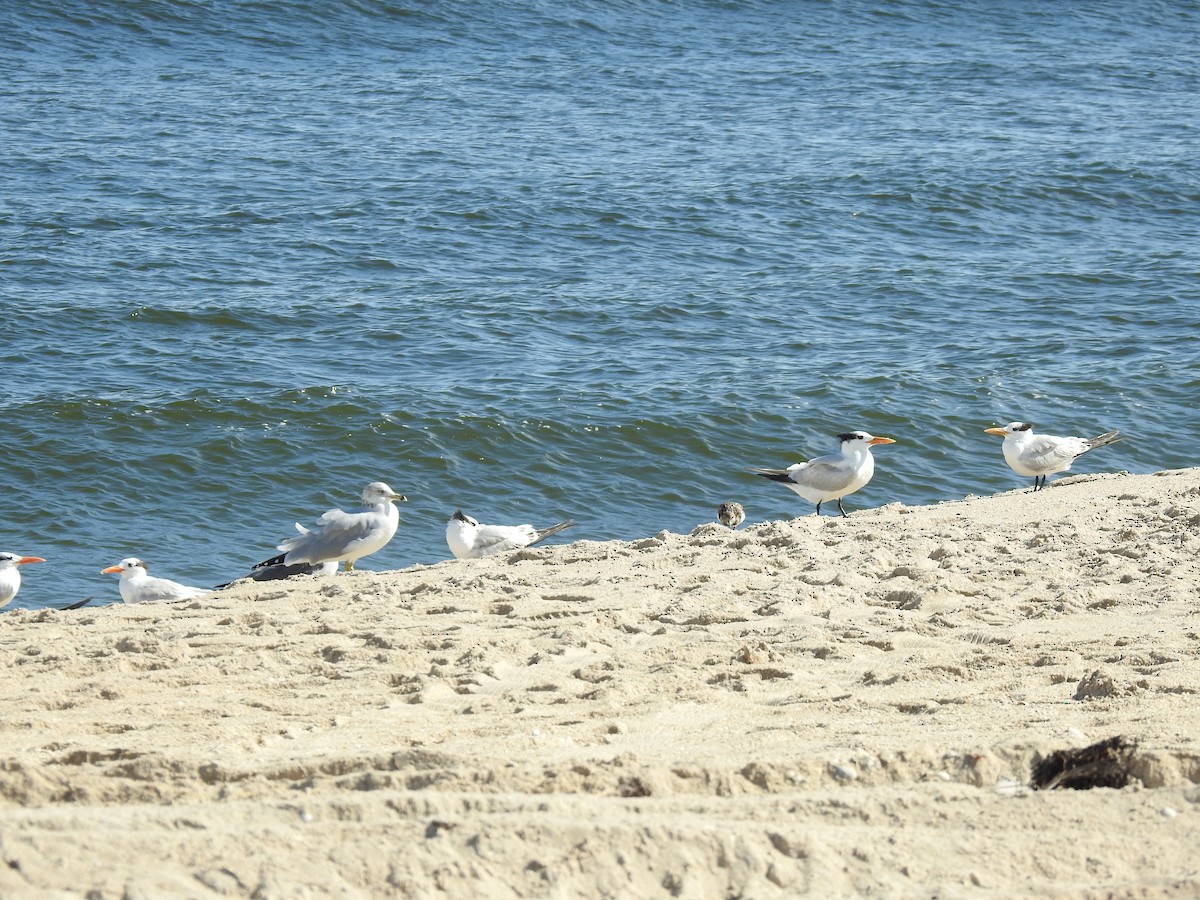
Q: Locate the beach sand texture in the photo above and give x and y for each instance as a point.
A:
(815, 707)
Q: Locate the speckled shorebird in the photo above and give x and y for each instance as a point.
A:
(731, 514)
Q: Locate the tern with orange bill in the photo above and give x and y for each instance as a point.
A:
(10, 575)
(1039, 455)
(139, 586)
(834, 476)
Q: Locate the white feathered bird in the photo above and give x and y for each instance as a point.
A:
(10, 575)
(834, 476)
(1039, 455)
(139, 586)
(345, 537)
(468, 539)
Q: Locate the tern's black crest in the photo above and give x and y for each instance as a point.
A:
(1024, 426)
(848, 436)
(458, 514)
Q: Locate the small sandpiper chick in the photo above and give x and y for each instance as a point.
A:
(731, 514)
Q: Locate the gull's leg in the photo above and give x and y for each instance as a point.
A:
(842, 511)
(818, 507)
(349, 565)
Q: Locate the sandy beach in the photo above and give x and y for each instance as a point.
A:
(813, 707)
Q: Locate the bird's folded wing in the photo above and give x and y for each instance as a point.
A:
(338, 530)
(150, 591)
(824, 476)
(1046, 452)
(500, 538)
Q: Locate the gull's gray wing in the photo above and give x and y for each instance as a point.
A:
(339, 530)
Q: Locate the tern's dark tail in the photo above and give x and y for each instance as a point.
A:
(551, 531)
(773, 474)
(1109, 437)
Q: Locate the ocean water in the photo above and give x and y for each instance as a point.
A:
(574, 259)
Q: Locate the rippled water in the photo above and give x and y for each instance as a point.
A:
(573, 259)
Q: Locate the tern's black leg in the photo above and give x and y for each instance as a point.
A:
(818, 507)
(842, 511)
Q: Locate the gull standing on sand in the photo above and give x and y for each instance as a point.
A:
(834, 476)
(139, 586)
(470, 540)
(1039, 455)
(10, 575)
(731, 515)
(345, 536)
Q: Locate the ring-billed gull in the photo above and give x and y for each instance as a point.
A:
(346, 537)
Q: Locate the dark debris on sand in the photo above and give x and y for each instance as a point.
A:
(1107, 763)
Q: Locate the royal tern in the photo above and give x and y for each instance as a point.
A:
(10, 575)
(834, 476)
(470, 540)
(139, 586)
(731, 515)
(345, 536)
(1040, 455)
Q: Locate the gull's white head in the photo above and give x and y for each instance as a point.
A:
(377, 492)
(855, 439)
(1010, 428)
(9, 560)
(130, 565)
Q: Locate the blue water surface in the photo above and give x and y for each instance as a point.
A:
(547, 260)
